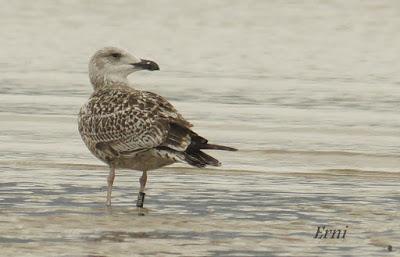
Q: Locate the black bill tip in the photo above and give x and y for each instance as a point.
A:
(146, 65)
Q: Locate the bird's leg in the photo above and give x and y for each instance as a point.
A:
(110, 181)
(142, 180)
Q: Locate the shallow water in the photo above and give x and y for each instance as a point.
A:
(308, 92)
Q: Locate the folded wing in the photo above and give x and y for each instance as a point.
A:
(126, 122)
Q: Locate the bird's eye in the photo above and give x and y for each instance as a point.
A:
(116, 55)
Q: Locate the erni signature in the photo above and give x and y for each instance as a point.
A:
(324, 232)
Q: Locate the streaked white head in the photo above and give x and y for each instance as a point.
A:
(112, 65)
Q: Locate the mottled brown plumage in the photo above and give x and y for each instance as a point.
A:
(120, 124)
(132, 129)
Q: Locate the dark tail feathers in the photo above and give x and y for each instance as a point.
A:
(196, 157)
(200, 159)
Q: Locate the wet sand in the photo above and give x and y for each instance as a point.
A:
(60, 212)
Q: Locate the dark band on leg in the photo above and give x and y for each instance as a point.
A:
(140, 200)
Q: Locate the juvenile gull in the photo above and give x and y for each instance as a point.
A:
(132, 129)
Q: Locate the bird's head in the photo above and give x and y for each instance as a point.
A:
(114, 64)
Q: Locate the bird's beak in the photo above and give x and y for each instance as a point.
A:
(146, 65)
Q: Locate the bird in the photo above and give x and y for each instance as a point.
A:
(127, 128)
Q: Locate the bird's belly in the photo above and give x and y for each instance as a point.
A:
(143, 161)
(148, 160)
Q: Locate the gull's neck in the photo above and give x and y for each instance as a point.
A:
(100, 81)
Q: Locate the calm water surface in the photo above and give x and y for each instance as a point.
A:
(309, 93)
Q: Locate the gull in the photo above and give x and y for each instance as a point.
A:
(132, 129)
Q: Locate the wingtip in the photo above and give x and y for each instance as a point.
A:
(218, 147)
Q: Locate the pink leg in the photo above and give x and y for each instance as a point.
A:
(110, 181)
(142, 180)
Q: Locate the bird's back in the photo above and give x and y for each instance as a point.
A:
(119, 121)
(140, 130)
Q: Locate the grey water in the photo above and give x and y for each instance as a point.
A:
(308, 91)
